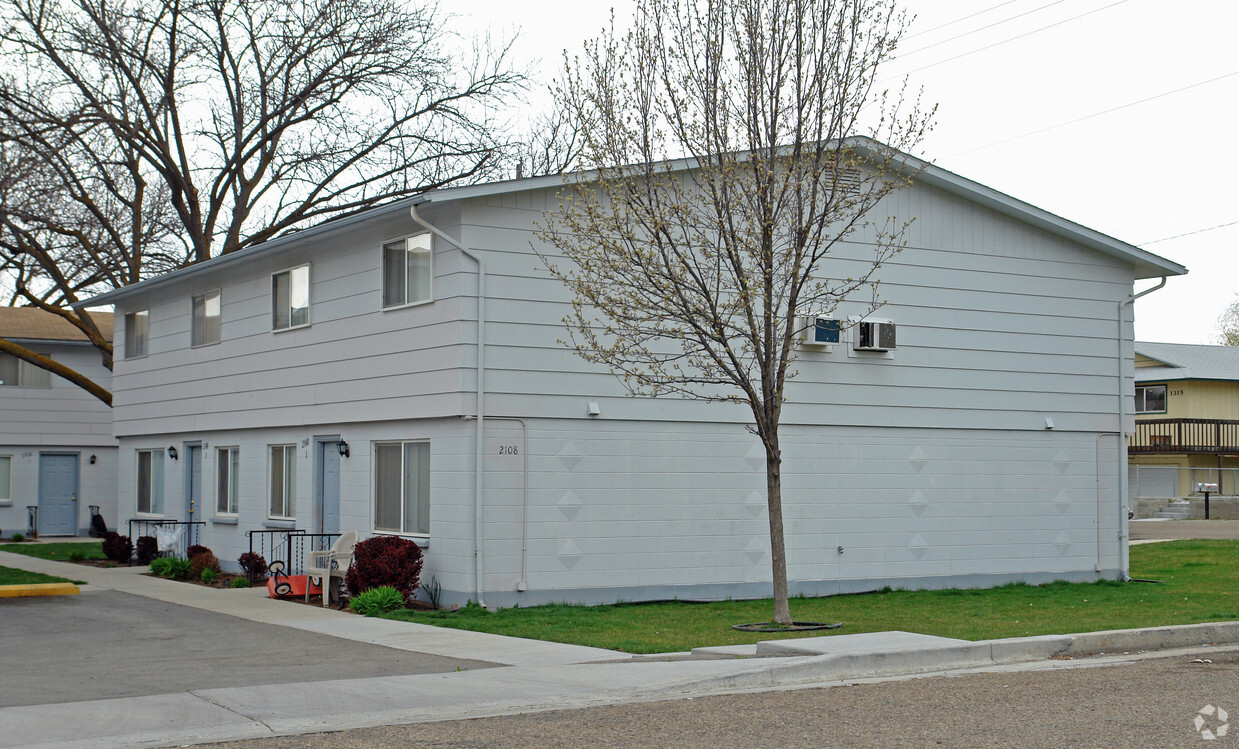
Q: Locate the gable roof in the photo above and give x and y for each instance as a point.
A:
(1145, 264)
(1185, 361)
(34, 324)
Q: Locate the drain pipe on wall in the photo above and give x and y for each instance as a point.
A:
(1122, 454)
(523, 584)
(481, 400)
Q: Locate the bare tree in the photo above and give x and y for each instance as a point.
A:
(157, 135)
(690, 276)
(1228, 325)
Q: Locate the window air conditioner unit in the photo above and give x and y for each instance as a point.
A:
(819, 331)
(874, 335)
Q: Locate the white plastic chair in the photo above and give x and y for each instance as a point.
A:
(330, 564)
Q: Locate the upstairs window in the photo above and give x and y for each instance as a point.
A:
(290, 298)
(407, 271)
(137, 333)
(16, 372)
(205, 319)
(1150, 399)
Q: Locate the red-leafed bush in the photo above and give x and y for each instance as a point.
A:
(195, 550)
(148, 549)
(385, 560)
(116, 547)
(203, 560)
(253, 564)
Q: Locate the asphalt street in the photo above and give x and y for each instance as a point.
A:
(105, 643)
(1146, 703)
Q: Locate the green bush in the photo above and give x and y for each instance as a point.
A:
(176, 568)
(18, 537)
(377, 601)
(77, 556)
(240, 582)
(208, 575)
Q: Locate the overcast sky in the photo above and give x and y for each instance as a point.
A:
(1116, 114)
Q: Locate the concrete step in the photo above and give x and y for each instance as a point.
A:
(1172, 515)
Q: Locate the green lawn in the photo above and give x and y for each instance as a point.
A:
(10, 576)
(57, 551)
(1198, 584)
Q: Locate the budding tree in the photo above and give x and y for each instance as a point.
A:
(726, 170)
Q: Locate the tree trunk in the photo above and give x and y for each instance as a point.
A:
(778, 555)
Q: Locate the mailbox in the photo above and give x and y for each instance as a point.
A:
(1202, 488)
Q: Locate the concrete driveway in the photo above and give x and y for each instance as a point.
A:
(105, 643)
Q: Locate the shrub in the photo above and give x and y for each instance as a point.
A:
(377, 601)
(208, 575)
(18, 537)
(252, 564)
(148, 549)
(385, 560)
(240, 582)
(77, 556)
(195, 550)
(204, 561)
(117, 548)
(172, 567)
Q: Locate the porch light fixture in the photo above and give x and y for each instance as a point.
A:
(172, 452)
(93, 460)
(342, 447)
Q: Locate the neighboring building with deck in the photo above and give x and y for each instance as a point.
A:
(1187, 418)
(57, 452)
(332, 379)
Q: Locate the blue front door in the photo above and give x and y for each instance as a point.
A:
(57, 495)
(327, 504)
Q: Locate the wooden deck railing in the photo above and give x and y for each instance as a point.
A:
(1185, 436)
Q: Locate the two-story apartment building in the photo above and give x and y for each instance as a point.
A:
(398, 371)
(57, 452)
(1187, 417)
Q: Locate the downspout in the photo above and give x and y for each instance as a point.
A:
(1122, 446)
(481, 401)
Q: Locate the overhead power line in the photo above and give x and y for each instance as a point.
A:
(981, 28)
(957, 20)
(1091, 116)
(1189, 233)
(1005, 41)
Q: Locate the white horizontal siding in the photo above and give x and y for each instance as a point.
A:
(64, 414)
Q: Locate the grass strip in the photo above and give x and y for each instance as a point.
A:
(1197, 585)
(57, 552)
(10, 576)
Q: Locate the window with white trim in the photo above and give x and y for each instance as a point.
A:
(205, 308)
(6, 479)
(408, 269)
(1150, 399)
(282, 471)
(137, 333)
(16, 372)
(402, 487)
(150, 482)
(290, 298)
(227, 480)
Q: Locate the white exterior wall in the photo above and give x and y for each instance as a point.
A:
(60, 419)
(931, 466)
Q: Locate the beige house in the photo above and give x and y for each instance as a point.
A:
(1187, 416)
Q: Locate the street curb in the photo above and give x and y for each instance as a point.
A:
(911, 661)
(38, 589)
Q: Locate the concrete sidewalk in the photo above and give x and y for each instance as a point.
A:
(540, 676)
